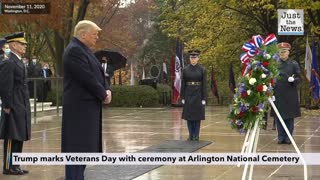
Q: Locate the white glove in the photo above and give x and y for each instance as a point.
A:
(290, 79)
(182, 101)
(203, 102)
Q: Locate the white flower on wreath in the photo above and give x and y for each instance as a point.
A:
(249, 92)
(263, 75)
(252, 81)
(265, 88)
(267, 56)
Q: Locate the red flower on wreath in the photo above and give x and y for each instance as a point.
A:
(265, 63)
(272, 81)
(241, 114)
(259, 88)
(254, 109)
(244, 94)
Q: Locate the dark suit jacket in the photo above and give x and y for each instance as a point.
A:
(47, 83)
(84, 89)
(16, 125)
(35, 70)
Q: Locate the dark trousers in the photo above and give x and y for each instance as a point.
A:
(30, 87)
(282, 135)
(10, 146)
(75, 172)
(194, 128)
(265, 118)
(42, 91)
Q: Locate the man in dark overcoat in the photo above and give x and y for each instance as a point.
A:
(84, 92)
(15, 124)
(35, 71)
(286, 93)
(107, 69)
(194, 94)
(45, 85)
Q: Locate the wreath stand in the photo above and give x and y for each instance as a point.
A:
(251, 141)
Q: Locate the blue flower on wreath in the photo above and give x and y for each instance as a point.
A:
(260, 106)
(243, 108)
(276, 57)
(242, 88)
(239, 122)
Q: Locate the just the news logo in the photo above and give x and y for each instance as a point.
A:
(290, 22)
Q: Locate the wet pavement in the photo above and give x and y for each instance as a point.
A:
(133, 129)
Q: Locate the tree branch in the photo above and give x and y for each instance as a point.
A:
(248, 15)
(106, 20)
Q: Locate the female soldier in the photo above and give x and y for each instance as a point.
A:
(194, 94)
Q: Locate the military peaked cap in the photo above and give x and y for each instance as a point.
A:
(194, 52)
(16, 37)
(284, 45)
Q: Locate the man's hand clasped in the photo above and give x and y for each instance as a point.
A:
(7, 110)
(108, 98)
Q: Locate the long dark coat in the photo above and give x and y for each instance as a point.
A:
(286, 93)
(84, 89)
(44, 86)
(34, 70)
(193, 91)
(17, 124)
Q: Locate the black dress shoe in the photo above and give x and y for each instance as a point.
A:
(281, 142)
(12, 172)
(196, 138)
(24, 171)
(287, 142)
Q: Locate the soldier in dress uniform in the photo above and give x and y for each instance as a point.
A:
(15, 124)
(286, 93)
(194, 94)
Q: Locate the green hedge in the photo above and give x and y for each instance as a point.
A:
(164, 90)
(134, 96)
(129, 96)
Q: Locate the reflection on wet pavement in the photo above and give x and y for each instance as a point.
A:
(133, 129)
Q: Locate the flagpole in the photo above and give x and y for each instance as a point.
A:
(143, 73)
(172, 62)
(132, 75)
(164, 70)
